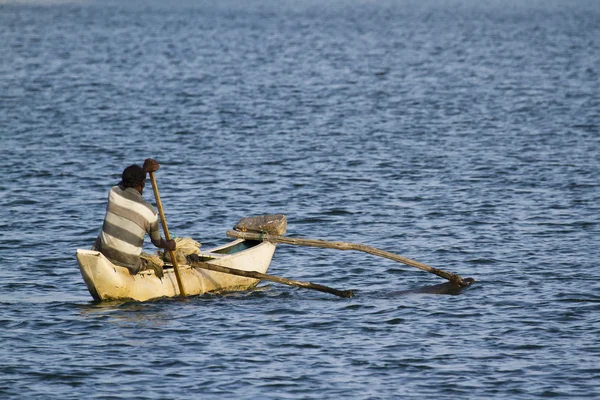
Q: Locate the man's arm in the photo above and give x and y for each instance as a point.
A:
(158, 241)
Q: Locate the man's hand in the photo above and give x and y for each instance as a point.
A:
(168, 245)
(151, 165)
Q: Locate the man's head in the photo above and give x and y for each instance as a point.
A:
(134, 176)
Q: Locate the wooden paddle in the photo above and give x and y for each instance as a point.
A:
(167, 236)
(272, 278)
(455, 279)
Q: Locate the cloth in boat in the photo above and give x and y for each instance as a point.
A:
(128, 218)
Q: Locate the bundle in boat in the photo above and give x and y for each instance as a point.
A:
(272, 224)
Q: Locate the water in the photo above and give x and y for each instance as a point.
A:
(460, 134)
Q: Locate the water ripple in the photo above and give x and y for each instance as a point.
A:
(462, 135)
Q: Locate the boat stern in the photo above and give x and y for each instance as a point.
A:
(98, 273)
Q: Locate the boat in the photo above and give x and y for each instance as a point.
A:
(107, 281)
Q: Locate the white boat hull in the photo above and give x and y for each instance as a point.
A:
(106, 281)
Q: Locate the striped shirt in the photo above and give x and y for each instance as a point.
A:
(128, 218)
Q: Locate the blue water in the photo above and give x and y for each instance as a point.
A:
(461, 134)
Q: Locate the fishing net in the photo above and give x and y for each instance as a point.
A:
(184, 247)
(153, 262)
(152, 259)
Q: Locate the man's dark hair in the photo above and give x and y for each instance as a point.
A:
(133, 176)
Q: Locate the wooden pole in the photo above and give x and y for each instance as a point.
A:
(456, 279)
(167, 236)
(272, 278)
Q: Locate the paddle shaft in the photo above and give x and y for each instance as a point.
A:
(456, 279)
(272, 278)
(167, 236)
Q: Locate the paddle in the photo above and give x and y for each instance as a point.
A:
(455, 279)
(167, 236)
(272, 278)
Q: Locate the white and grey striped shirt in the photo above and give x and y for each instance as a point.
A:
(128, 218)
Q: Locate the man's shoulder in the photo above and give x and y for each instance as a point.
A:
(148, 205)
(118, 189)
(134, 198)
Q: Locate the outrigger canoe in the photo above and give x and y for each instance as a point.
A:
(107, 281)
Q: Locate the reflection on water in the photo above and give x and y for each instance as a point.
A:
(152, 314)
(447, 288)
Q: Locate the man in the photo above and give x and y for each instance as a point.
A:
(128, 218)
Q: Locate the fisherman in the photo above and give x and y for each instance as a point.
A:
(128, 218)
